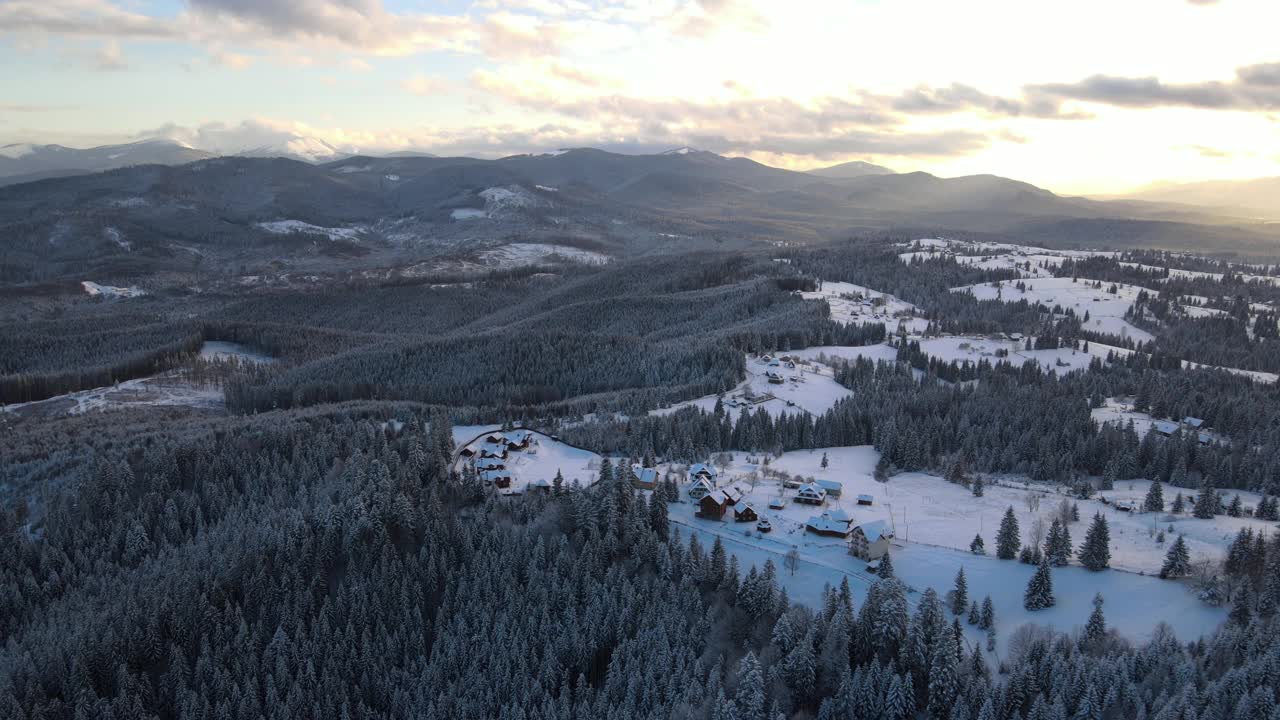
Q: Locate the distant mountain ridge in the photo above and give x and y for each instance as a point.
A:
(27, 159)
(851, 169)
(1257, 195)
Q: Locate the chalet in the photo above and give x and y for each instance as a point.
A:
(701, 488)
(774, 377)
(493, 450)
(643, 478)
(830, 524)
(792, 482)
(517, 439)
(833, 487)
(1192, 422)
(540, 485)
(498, 478)
(1164, 427)
(489, 463)
(870, 540)
(811, 494)
(703, 471)
(744, 512)
(714, 504)
(865, 499)
(468, 451)
(778, 503)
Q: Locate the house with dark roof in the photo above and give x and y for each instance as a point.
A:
(716, 503)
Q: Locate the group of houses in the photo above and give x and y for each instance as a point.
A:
(868, 541)
(1169, 428)
(488, 455)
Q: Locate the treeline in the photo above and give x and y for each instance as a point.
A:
(322, 565)
(1011, 420)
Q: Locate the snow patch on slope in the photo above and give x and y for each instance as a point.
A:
(288, 227)
(110, 291)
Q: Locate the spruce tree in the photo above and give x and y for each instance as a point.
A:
(1206, 501)
(824, 461)
(977, 486)
(885, 571)
(1177, 562)
(1095, 553)
(975, 615)
(988, 619)
(1039, 594)
(960, 594)
(1179, 505)
(978, 547)
(1096, 628)
(1057, 546)
(1007, 539)
(1235, 509)
(1154, 501)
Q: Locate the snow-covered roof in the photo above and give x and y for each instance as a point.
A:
(827, 522)
(865, 498)
(830, 484)
(1194, 422)
(517, 436)
(488, 463)
(812, 489)
(743, 506)
(1165, 427)
(495, 475)
(723, 497)
(698, 468)
(644, 474)
(875, 530)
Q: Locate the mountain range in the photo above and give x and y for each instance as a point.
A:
(264, 215)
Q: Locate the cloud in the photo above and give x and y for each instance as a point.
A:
(92, 18)
(702, 18)
(423, 85)
(1205, 151)
(1255, 87)
(110, 58)
(958, 97)
(234, 61)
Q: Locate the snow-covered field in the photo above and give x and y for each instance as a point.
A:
(935, 521)
(857, 304)
(219, 350)
(521, 254)
(1106, 310)
(110, 291)
(289, 227)
(1179, 273)
(808, 387)
(1030, 261)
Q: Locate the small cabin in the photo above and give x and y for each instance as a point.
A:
(778, 503)
(870, 540)
(1193, 422)
(774, 377)
(517, 439)
(829, 524)
(744, 512)
(643, 478)
(489, 463)
(1164, 427)
(703, 471)
(497, 478)
(811, 494)
(865, 499)
(541, 485)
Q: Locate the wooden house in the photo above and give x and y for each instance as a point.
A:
(643, 478)
(870, 540)
(811, 494)
(743, 512)
(716, 503)
(833, 487)
(835, 523)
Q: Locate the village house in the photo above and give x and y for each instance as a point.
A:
(497, 478)
(703, 471)
(811, 494)
(714, 504)
(865, 499)
(743, 512)
(517, 439)
(700, 489)
(489, 463)
(834, 523)
(833, 487)
(1165, 427)
(643, 478)
(870, 540)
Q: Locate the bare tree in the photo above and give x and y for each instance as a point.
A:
(1038, 531)
(792, 560)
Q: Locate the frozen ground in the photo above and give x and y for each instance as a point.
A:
(809, 387)
(936, 520)
(857, 304)
(521, 254)
(288, 227)
(1106, 310)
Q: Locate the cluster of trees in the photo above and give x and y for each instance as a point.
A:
(324, 565)
(1013, 419)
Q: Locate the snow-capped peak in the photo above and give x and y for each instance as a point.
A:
(681, 151)
(17, 150)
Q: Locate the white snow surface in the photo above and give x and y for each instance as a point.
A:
(1106, 311)
(220, 350)
(540, 461)
(288, 227)
(520, 254)
(16, 150)
(857, 304)
(935, 521)
(466, 213)
(809, 388)
(96, 290)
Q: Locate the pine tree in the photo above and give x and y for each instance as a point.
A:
(1179, 505)
(975, 615)
(988, 620)
(1007, 539)
(1096, 628)
(1154, 501)
(1039, 594)
(749, 698)
(944, 681)
(1095, 553)
(1206, 501)
(824, 461)
(1235, 509)
(1177, 562)
(960, 594)
(977, 486)
(1057, 546)
(885, 571)
(977, 547)
(1075, 512)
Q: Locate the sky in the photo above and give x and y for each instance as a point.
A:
(1081, 97)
